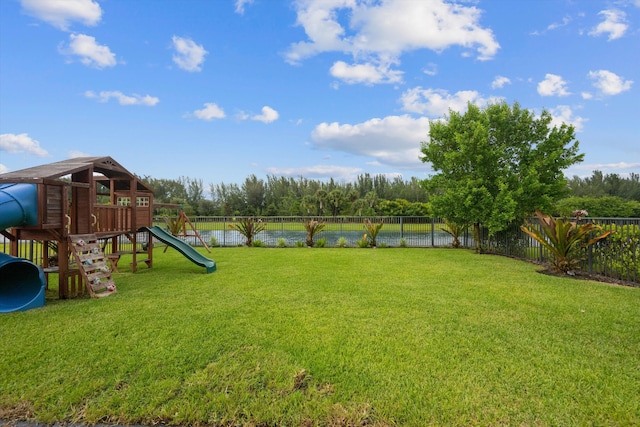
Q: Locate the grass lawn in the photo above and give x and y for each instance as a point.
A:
(336, 337)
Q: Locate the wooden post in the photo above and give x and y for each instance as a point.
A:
(133, 182)
(63, 268)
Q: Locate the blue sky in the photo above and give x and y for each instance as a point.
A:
(218, 90)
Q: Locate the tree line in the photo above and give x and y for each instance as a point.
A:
(603, 195)
(287, 196)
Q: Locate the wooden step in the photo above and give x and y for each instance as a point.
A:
(93, 265)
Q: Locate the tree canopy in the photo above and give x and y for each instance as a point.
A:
(497, 165)
(599, 184)
(285, 196)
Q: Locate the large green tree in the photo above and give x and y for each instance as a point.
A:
(496, 165)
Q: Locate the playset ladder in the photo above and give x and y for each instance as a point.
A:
(93, 265)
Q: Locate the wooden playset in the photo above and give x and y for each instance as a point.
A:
(87, 210)
(178, 226)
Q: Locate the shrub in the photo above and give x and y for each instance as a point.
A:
(372, 230)
(257, 243)
(403, 243)
(342, 243)
(455, 230)
(249, 227)
(282, 243)
(622, 251)
(599, 207)
(363, 243)
(299, 244)
(564, 239)
(321, 243)
(213, 242)
(313, 227)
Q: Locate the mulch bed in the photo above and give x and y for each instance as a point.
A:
(582, 275)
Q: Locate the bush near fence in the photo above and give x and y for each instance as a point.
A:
(616, 257)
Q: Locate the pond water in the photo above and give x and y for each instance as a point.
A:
(270, 238)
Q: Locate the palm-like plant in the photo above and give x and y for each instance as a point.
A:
(563, 238)
(313, 227)
(249, 227)
(372, 230)
(455, 230)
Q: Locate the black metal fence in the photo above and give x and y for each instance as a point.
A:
(617, 257)
(290, 232)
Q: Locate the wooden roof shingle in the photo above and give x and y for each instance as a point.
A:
(104, 165)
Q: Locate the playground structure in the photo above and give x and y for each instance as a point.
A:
(178, 226)
(79, 213)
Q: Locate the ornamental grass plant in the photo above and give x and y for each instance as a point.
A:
(330, 337)
(564, 239)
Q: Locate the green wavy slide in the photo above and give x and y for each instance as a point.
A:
(182, 247)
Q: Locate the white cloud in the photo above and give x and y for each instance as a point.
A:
(499, 82)
(614, 24)
(552, 85)
(564, 114)
(240, 4)
(586, 95)
(398, 25)
(3, 169)
(609, 83)
(608, 166)
(209, 112)
(268, 115)
(620, 168)
(436, 103)
(393, 140)
(431, 69)
(123, 99)
(91, 53)
(319, 171)
(376, 34)
(60, 13)
(21, 143)
(189, 56)
(242, 115)
(365, 73)
(556, 25)
(553, 26)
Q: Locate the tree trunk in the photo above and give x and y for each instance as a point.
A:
(476, 236)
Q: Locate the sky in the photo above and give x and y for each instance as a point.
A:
(218, 90)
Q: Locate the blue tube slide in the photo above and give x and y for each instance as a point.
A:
(22, 283)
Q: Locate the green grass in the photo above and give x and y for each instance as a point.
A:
(407, 337)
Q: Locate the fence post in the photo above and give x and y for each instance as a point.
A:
(539, 245)
(433, 232)
(506, 243)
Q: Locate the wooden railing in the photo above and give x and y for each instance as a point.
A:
(111, 218)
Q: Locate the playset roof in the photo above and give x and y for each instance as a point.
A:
(105, 166)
